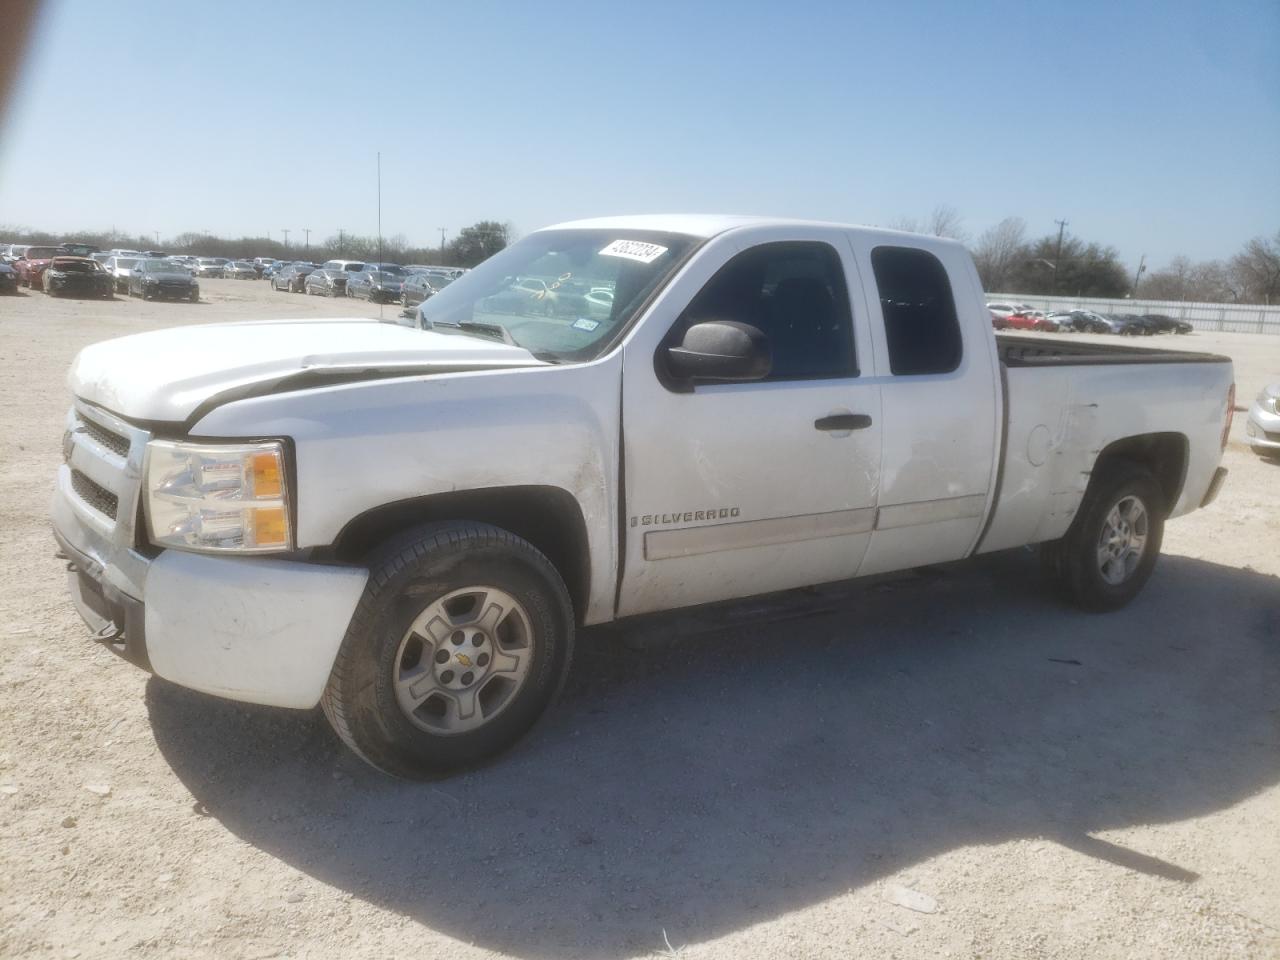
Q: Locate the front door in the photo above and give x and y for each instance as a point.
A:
(733, 489)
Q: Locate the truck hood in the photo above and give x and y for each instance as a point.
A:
(178, 375)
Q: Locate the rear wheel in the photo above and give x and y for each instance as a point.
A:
(1110, 551)
(462, 639)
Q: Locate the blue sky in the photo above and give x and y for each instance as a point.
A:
(1154, 127)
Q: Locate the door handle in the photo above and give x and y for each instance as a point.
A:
(843, 421)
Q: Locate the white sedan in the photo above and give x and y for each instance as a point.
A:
(1263, 426)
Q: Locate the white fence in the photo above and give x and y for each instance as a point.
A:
(1231, 317)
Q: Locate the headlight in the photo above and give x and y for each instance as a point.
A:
(1268, 403)
(218, 498)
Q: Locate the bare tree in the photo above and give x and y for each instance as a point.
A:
(1256, 269)
(999, 251)
(1182, 279)
(945, 221)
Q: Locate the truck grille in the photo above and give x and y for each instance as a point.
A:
(102, 472)
(96, 496)
(112, 441)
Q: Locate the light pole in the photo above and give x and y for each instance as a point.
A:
(286, 239)
(307, 246)
(442, 230)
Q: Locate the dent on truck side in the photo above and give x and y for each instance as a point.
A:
(1063, 420)
(363, 446)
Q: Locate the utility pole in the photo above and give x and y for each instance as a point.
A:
(286, 239)
(1057, 259)
(307, 231)
(379, 224)
(1142, 265)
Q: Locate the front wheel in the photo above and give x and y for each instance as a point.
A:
(1111, 548)
(462, 639)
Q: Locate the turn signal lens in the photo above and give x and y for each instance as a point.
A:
(270, 527)
(265, 471)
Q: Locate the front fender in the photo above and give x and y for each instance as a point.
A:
(361, 446)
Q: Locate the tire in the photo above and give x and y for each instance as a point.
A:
(1097, 565)
(459, 572)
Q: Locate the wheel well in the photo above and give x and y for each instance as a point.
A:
(548, 517)
(1164, 454)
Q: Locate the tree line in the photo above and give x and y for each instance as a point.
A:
(469, 247)
(1008, 259)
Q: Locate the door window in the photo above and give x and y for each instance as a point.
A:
(795, 293)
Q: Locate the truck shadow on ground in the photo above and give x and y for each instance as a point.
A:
(803, 745)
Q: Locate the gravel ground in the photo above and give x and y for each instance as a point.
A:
(945, 763)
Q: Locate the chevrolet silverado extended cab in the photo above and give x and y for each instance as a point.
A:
(406, 524)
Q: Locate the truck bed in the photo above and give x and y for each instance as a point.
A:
(1067, 400)
(1041, 351)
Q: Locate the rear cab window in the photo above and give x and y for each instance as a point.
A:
(919, 309)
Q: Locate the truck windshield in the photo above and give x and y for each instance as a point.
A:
(563, 295)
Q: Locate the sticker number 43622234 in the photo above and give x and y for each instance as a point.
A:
(634, 250)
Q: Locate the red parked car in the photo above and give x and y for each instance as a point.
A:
(33, 264)
(1031, 320)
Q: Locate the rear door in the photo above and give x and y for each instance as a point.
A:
(732, 489)
(940, 399)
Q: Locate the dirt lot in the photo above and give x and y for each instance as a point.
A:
(770, 779)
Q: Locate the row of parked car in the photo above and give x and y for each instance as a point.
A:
(376, 282)
(66, 270)
(1020, 316)
(83, 270)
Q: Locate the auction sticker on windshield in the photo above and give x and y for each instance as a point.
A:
(634, 250)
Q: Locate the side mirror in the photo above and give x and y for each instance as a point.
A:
(721, 350)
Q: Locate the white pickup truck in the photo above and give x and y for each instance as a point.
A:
(611, 417)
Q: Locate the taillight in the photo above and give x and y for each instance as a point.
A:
(1231, 412)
